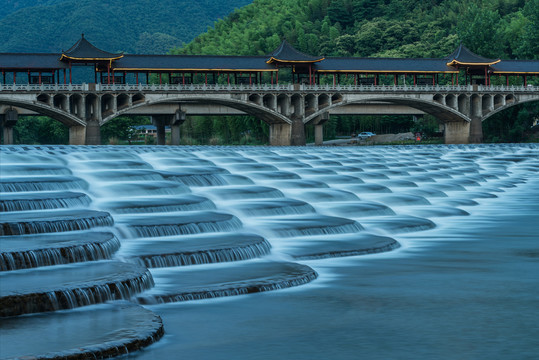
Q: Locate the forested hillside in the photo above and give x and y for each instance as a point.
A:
(134, 26)
(378, 28)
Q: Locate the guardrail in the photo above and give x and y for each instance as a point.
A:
(258, 88)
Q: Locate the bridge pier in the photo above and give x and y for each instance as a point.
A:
(93, 133)
(77, 135)
(160, 121)
(177, 120)
(476, 131)
(319, 129)
(8, 122)
(457, 132)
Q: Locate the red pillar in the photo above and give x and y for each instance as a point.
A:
(525, 80)
(70, 73)
(334, 80)
(14, 77)
(65, 77)
(160, 79)
(506, 80)
(108, 73)
(40, 77)
(136, 75)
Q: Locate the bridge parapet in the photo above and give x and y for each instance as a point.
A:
(291, 88)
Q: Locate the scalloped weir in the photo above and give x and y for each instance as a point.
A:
(180, 224)
(257, 276)
(42, 183)
(29, 222)
(69, 286)
(151, 205)
(29, 251)
(128, 328)
(196, 250)
(310, 225)
(42, 201)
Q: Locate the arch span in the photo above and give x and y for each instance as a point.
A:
(442, 112)
(507, 106)
(46, 110)
(251, 108)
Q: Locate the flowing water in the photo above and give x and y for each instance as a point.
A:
(270, 253)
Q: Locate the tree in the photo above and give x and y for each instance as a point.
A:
(479, 29)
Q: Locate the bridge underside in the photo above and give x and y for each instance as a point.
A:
(285, 110)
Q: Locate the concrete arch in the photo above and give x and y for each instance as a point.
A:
(507, 106)
(442, 112)
(46, 110)
(263, 113)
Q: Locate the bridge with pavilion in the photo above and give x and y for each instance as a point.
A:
(86, 87)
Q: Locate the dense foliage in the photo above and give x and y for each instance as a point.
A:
(377, 28)
(134, 26)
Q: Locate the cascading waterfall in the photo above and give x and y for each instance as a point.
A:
(81, 225)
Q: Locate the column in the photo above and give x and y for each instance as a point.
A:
(77, 135)
(93, 133)
(177, 121)
(457, 132)
(8, 122)
(159, 121)
(280, 134)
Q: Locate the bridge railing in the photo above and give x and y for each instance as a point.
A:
(226, 88)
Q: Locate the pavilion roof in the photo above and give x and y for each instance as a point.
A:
(178, 63)
(85, 51)
(21, 61)
(464, 56)
(286, 53)
(516, 67)
(383, 65)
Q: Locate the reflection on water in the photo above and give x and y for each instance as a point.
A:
(371, 252)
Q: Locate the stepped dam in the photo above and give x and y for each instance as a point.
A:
(208, 252)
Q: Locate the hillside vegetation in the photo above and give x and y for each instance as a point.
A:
(134, 26)
(377, 28)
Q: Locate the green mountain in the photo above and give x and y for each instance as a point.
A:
(377, 28)
(134, 26)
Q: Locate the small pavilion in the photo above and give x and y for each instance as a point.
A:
(84, 53)
(302, 64)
